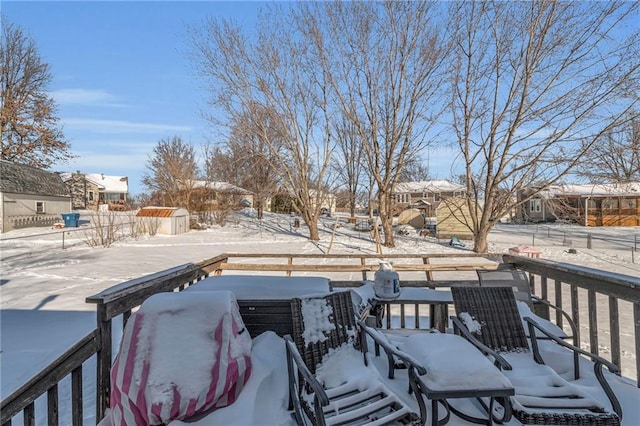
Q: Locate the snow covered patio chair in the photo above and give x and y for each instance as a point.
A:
(507, 276)
(330, 379)
(488, 317)
(181, 354)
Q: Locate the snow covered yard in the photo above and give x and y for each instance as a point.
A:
(43, 288)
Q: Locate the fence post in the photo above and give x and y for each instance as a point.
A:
(62, 240)
(588, 241)
(103, 376)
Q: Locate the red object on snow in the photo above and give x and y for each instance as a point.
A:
(181, 354)
(525, 251)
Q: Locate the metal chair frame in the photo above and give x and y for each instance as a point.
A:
(376, 406)
(502, 331)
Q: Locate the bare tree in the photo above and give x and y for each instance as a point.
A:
(348, 163)
(29, 127)
(172, 171)
(384, 61)
(533, 86)
(415, 170)
(276, 71)
(616, 156)
(249, 159)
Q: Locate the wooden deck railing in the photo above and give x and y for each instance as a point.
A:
(122, 299)
(561, 283)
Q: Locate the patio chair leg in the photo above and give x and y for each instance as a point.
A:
(506, 406)
(434, 412)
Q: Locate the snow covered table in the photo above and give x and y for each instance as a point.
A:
(438, 301)
(265, 300)
(455, 369)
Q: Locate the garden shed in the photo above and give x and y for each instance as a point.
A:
(411, 217)
(454, 219)
(163, 220)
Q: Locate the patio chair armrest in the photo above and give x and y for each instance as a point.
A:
(572, 324)
(462, 329)
(292, 352)
(595, 358)
(598, 361)
(391, 351)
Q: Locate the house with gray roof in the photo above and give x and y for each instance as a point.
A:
(30, 197)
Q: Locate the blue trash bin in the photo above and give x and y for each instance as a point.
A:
(71, 219)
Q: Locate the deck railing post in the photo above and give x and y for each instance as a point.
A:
(636, 323)
(103, 376)
(614, 327)
(593, 321)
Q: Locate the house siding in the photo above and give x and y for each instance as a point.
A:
(84, 193)
(23, 189)
(454, 219)
(19, 210)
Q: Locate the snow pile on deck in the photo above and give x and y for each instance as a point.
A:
(315, 314)
(181, 354)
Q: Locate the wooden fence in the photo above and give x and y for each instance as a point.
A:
(123, 298)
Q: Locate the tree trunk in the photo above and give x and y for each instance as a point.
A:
(481, 244)
(313, 230)
(386, 217)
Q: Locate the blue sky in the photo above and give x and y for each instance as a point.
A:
(121, 76)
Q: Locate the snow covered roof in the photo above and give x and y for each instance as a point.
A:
(603, 189)
(220, 186)
(113, 184)
(429, 186)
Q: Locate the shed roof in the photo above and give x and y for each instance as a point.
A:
(153, 211)
(22, 179)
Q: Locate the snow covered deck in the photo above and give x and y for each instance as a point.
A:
(554, 281)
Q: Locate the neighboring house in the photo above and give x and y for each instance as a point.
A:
(327, 200)
(163, 220)
(612, 204)
(30, 197)
(207, 194)
(425, 196)
(97, 191)
(284, 202)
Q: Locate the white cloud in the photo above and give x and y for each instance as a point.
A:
(120, 126)
(85, 97)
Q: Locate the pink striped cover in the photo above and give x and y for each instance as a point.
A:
(208, 322)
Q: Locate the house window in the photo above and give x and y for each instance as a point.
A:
(436, 196)
(91, 195)
(458, 193)
(40, 207)
(425, 194)
(609, 204)
(402, 198)
(628, 203)
(535, 205)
